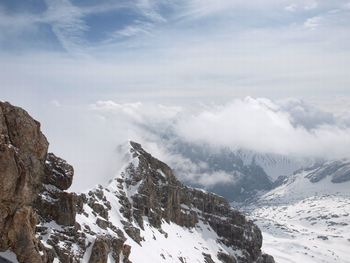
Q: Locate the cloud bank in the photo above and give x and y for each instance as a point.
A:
(88, 136)
(287, 128)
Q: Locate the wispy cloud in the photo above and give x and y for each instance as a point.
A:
(67, 23)
(313, 22)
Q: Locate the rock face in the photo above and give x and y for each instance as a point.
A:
(148, 190)
(137, 217)
(339, 170)
(23, 150)
(37, 215)
(248, 176)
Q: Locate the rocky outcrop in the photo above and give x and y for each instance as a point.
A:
(158, 196)
(23, 150)
(53, 203)
(106, 246)
(38, 218)
(338, 170)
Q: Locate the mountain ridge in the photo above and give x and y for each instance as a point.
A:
(138, 217)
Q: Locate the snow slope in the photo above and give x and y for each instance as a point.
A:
(305, 221)
(190, 219)
(273, 164)
(167, 244)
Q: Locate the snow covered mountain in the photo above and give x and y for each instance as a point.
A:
(273, 164)
(306, 218)
(144, 215)
(219, 170)
(164, 221)
(243, 172)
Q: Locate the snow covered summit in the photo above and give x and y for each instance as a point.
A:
(161, 220)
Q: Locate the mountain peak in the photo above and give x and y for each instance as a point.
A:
(144, 215)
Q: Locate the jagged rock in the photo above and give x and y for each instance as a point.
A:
(23, 150)
(207, 258)
(58, 172)
(102, 223)
(133, 232)
(160, 196)
(268, 259)
(100, 251)
(57, 206)
(225, 258)
(21, 236)
(340, 171)
(105, 245)
(126, 253)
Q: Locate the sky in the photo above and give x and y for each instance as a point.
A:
(95, 72)
(78, 50)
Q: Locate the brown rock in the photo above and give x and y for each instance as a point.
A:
(126, 251)
(58, 172)
(99, 252)
(32, 185)
(23, 150)
(225, 258)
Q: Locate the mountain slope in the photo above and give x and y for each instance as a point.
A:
(164, 221)
(274, 165)
(306, 218)
(144, 215)
(236, 174)
(219, 170)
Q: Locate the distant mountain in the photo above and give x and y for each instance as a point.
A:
(144, 215)
(274, 165)
(306, 217)
(246, 172)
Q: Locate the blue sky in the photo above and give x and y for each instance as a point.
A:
(158, 50)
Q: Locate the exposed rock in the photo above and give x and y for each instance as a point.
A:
(160, 196)
(126, 253)
(100, 251)
(57, 206)
(23, 150)
(58, 172)
(102, 223)
(207, 258)
(225, 258)
(133, 232)
(33, 203)
(339, 170)
(268, 259)
(108, 245)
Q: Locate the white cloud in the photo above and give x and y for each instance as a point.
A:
(56, 103)
(67, 23)
(264, 126)
(186, 170)
(301, 5)
(137, 112)
(291, 7)
(202, 51)
(313, 22)
(88, 135)
(133, 30)
(309, 5)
